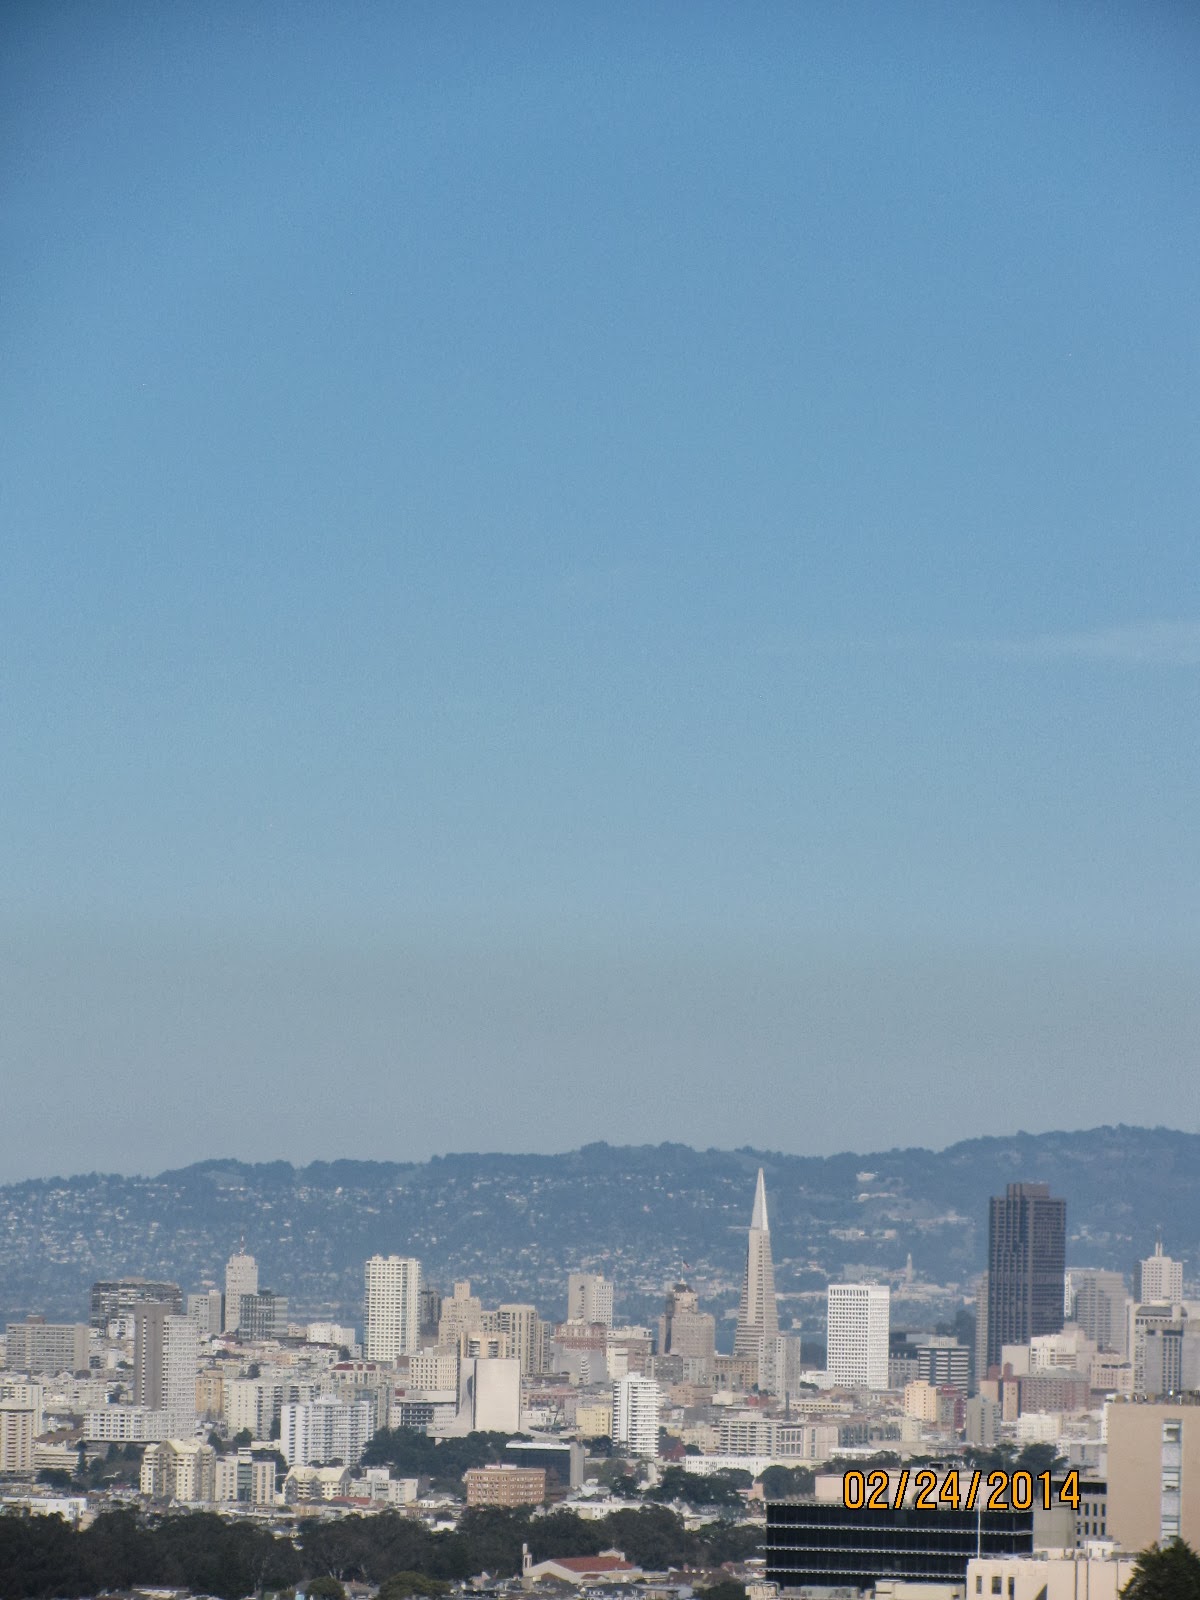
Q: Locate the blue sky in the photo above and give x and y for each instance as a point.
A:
(643, 549)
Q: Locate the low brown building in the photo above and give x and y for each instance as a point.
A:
(505, 1486)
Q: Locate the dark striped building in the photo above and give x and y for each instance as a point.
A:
(829, 1545)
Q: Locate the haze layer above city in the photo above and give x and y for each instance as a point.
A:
(587, 573)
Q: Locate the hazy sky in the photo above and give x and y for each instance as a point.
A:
(617, 571)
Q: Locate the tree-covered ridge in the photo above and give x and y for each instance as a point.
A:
(516, 1224)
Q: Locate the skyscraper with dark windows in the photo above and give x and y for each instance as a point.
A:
(1027, 1243)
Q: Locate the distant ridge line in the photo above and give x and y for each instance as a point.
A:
(750, 1152)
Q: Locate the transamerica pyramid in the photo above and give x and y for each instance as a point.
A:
(758, 1317)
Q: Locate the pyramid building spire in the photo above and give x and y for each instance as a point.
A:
(758, 1315)
(759, 1218)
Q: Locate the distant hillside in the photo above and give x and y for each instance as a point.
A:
(517, 1224)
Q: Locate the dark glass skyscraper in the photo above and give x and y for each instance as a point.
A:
(1027, 1247)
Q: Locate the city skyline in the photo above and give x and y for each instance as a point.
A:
(1079, 1386)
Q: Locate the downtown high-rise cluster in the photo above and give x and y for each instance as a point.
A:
(229, 1400)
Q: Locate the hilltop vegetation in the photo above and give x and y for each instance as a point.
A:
(517, 1224)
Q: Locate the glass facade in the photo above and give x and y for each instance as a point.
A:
(1027, 1231)
(832, 1545)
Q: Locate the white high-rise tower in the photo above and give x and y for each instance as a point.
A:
(589, 1298)
(636, 1404)
(758, 1315)
(1160, 1279)
(393, 1306)
(857, 1334)
(166, 1357)
(241, 1277)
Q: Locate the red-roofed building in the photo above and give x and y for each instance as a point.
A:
(610, 1567)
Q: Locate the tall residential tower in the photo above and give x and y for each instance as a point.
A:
(393, 1306)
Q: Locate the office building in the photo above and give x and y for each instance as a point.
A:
(524, 1330)
(36, 1345)
(241, 1277)
(207, 1311)
(684, 1330)
(1168, 1358)
(335, 1333)
(831, 1545)
(325, 1430)
(982, 1421)
(857, 1334)
(1098, 1307)
(636, 1407)
(166, 1356)
(1159, 1279)
(489, 1394)
(1027, 1234)
(562, 1460)
(263, 1315)
(114, 1298)
(1153, 1473)
(393, 1307)
(758, 1315)
(1155, 1345)
(589, 1298)
(504, 1486)
(461, 1314)
(780, 1364)
(433, 1370)
(944, 1363)
(429, 1312)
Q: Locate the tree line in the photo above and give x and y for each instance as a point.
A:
(43, 1558)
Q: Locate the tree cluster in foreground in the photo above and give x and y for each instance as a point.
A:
(42, 1558)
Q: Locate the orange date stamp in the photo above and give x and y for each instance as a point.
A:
(959, 1491)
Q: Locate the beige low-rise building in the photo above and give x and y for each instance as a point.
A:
(126, 1425)
(1111, 1374)
(434, 1370)
(921, 1401)
(1153, 1472)
(594, 1420)
(308, 1484)
(179, 1469)
(246, 1479)
(1097, 1574)
(378, 1484)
